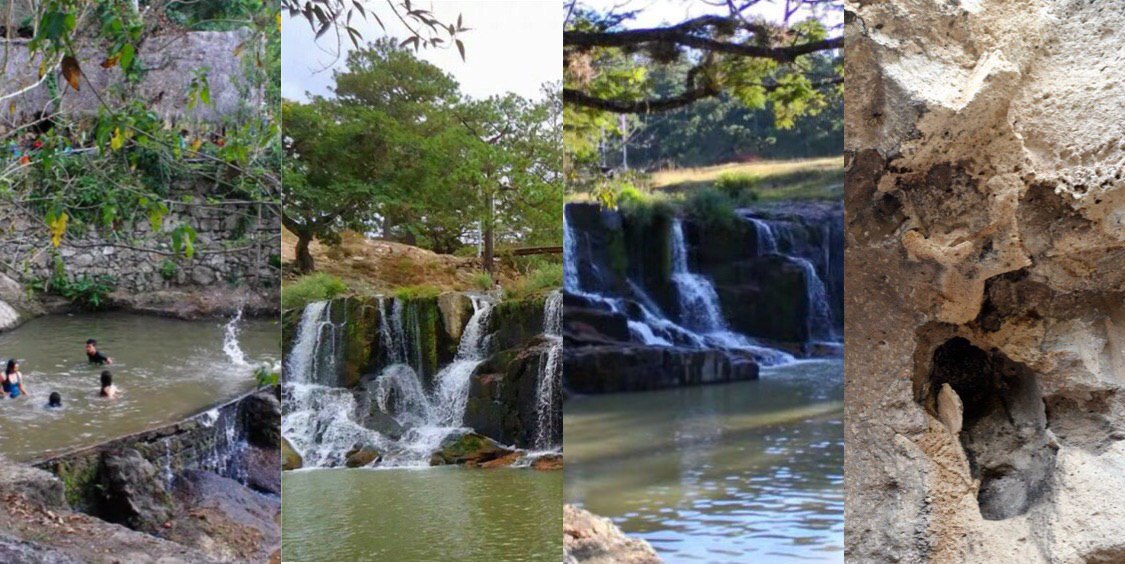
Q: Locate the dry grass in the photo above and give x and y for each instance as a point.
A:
(806, 179)
(370, 266)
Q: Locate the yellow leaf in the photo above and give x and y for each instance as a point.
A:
(11, 108)
(195, 144)
(117, 141)
(71, 71)
(57, 225)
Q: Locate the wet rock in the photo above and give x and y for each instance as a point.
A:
(548, 462)
(19, 551)
(468, 448)
(590, 539)
(589, 325)
(290, 460)
(263, 469)
(224, 519)
(261, 416)
(503, 395)
(502, 462)
(133, 492)
(455, 308)
(362, 456)
(383, 423)
(611, 369)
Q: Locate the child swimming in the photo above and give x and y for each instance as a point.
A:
(108, 389)
(13, 380)
(94, 355)
(55, 400)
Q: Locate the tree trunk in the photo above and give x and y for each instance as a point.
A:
(487, 256)
(304, 257)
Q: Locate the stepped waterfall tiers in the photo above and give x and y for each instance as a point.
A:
(661, 301)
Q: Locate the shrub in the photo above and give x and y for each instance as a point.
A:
(711, 208)
(736, 184)
(311, 288)
(168, 269)
(482, 280)
(88, 292)
(417, 292)
(547, 277)
(642, 207)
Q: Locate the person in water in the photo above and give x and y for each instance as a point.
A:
(94, 355)
(55, 400)
(13, 380)
(108, 389)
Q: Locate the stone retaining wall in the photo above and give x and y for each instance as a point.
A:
(236, 245)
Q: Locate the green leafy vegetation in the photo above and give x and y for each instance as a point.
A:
(443, 172)
(711, 207)
(418, 292)
(546, 278)
(311, 288)
(266, 376)
(482, 281)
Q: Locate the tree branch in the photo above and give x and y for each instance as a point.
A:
(655, 105)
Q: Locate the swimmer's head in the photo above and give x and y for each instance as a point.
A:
(13, 366)
(107, 379)
(55, 400)
(91, 346)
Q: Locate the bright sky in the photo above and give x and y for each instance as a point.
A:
(657, 12)
(514, 46)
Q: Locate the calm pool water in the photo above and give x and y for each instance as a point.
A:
(433, 514)
(165, 369)
(749, 472)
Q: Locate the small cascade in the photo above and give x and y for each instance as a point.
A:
(803, 244)
(549, 381)
(317, 348)
(820, 314)
(230, 341)
(699, 304)
(452, 382)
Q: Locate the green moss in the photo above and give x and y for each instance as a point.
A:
(79, 482)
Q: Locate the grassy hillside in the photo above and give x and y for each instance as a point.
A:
(821, 178)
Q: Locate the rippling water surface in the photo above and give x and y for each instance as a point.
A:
(432, 514)
(166, 369)
(749, 472)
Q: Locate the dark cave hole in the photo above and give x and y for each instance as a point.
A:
(1004, 426)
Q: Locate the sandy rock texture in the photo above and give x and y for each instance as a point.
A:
(591, 539)
(985, 286)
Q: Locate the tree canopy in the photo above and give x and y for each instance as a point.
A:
(399, 152)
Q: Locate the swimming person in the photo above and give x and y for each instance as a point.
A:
(55, 400)
(94, 355)
(13, 379)
(108, 389)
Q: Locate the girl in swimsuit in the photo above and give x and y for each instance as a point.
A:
(14, 379)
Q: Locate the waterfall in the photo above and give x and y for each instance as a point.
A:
(452, 382)
(321, 422)
(767, 242)
(699, 304)
(820, 314)
(549, 380)
(429, 417)
(230, 341)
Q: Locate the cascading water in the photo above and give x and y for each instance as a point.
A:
(550, 375)
(699, 304)
(792, 240)
(321, 421)
(230, 341)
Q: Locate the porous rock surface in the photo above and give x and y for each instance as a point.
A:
(985, 288)
(591, 539)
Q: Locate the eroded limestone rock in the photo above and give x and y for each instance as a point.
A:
(985, 252)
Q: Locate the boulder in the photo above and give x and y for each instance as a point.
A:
(590, 539)
(629, 368)
(467, 447)
(548, 462)
(32, 483)
(224, 519)
(263, 469)
(290, 460)
(503, 462)
(261, 417)
(590, 325)
(362, 456)
(132, 492)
